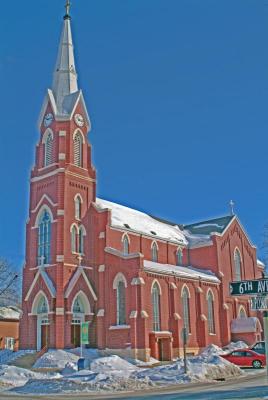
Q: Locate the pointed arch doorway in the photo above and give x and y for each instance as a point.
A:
(80, 308)
(41, 309)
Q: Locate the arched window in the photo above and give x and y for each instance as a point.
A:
(78, 149)
(211, 321)
(186, 309)
(44, 238)
(42, 307)
(121, 303)
(48, 149)
(179, 256)
(242, 312)
(78, 306)
(73, 239)
(81, 235)
(237, 263)
(125, 245)
(154, 252)
(78, 207)
(156, 307)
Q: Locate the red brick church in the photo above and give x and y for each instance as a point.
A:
(136, 278)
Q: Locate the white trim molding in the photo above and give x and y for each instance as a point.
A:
(44, 197)
(137, 281)
(101, 268)
(133, 314)
(101, 312)
(80, 271)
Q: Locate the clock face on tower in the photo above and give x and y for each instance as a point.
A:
(48, 119)
(79, 120)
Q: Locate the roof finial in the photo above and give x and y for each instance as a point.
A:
(232, 207)
(67, 7)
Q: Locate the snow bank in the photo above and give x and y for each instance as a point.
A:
(56, 359)
(113, 365)
(199, 369)
(235, 346)
(115, 374)
(15, 376)
(212, 350)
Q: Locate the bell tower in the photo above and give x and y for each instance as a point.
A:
(62, 187)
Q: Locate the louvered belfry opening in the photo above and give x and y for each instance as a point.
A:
(78, 142)
(48, 150)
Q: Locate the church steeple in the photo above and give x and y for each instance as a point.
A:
(65, 95)
(65, 76)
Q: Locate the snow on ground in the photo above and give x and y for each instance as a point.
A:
(56, 359)
(15, 376)
(199, 369)
(114, 373)
(235, 346)
(213, 349)
(113, 365)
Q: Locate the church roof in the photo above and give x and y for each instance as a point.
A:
(210, 226)
(128, 218)
(10, 313)
(179, 271)
(245, 325)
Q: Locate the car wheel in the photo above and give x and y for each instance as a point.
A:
(256, 364)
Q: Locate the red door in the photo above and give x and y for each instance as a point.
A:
(75, 335)
(44, 336)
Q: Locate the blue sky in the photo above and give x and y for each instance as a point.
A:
(177, 92)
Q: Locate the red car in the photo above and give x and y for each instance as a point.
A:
(246, 358)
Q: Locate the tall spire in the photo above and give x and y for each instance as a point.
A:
(65, 76)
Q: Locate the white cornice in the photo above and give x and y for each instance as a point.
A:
(52, 173)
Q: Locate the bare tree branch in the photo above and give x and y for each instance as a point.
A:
(9, 284)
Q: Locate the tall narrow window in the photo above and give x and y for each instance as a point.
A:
(78, 147)
(121, 303)
(44, 238)
(73, 238)
(78, 207)
(186, 309)
(48, 150)
(42, 307)
(81, 240)
(156, 307)
(237, 263)
(211, 321)
(179, 256)
(242, 313)
(154, 252)
(78, 306)
(125, 245)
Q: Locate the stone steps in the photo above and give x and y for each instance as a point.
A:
(26, 361)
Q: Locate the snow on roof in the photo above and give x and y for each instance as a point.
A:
(210, 226)
(9, 313)
(182, 272)
(244, 325)
(260, 263)
(197, 240)
(128, 218)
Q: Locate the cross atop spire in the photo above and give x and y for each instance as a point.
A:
(67, 7)
(232, 207)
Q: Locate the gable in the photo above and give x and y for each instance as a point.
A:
(215, 225)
